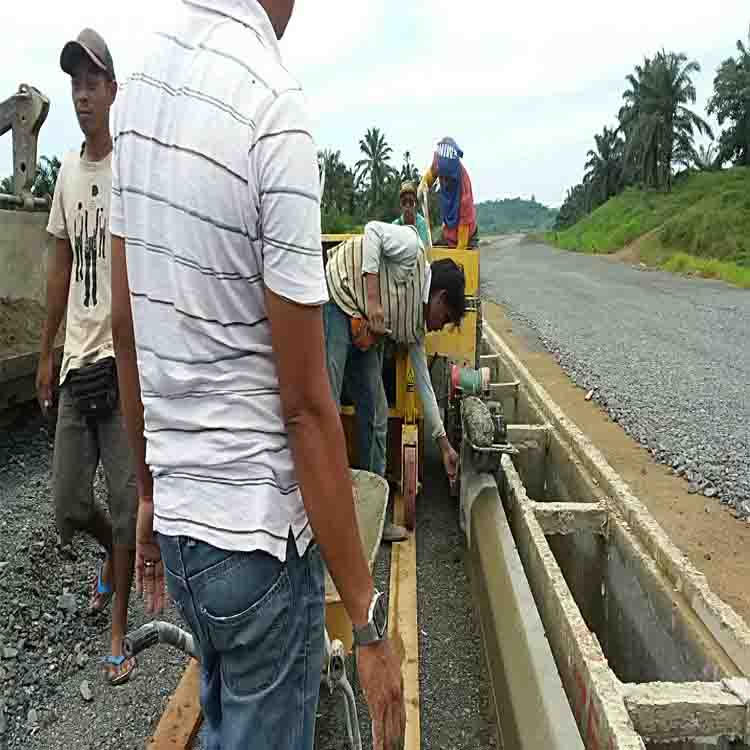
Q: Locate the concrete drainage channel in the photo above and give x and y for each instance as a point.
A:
(597, 631)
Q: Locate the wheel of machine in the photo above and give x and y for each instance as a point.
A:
(410, 479)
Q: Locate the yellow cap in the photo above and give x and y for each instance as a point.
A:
(408, 187)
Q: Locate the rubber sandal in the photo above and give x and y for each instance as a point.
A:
(393, 533)
(101, 592)
(117, 661)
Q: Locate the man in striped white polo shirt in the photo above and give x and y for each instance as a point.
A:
(239, 451)
(382, 283)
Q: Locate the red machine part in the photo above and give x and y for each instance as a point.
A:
(409, 483)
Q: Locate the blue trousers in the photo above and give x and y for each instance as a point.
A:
(363, 373)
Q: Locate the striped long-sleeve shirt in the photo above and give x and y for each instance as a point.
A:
(397, 255)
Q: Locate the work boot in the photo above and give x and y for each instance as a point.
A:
(393, 533)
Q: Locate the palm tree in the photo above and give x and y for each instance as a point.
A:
(669, 94)
(574, 207)
(656, 119)
(45, 179)
(604, 166)
(46, 176)
(409, 171)
(640, 131)
(339, 182)
(704, 158)
(731, 104)
(373, 171)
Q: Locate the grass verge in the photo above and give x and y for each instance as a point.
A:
(701, 228)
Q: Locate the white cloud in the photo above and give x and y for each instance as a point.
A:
(522, 86)
(322, 33)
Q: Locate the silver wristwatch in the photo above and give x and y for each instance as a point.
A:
(377, 622)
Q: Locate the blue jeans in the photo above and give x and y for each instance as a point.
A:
(363, 372)
(259, 626)
(380, 424)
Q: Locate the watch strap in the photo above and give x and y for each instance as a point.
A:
(368, 633)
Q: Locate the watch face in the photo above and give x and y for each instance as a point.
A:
(380, 616)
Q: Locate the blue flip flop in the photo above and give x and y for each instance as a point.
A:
(101, 590)
(118, 661)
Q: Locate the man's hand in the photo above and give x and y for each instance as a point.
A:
(383, 687)
(149, 570)
(375, 314)
(376, 320)
(44, 378)
(450, 459)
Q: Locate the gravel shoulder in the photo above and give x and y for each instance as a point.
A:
(668, 362)
(49, 647)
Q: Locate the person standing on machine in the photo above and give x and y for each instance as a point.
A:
(410, 216)
(456, 196)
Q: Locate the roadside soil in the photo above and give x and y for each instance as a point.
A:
(631, 254)
(708, 534)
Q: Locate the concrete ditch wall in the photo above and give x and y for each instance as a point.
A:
(649, 657)
(24, 248)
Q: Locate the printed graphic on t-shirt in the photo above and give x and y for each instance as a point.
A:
(90, 232)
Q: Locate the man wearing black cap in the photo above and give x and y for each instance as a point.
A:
(89, 422)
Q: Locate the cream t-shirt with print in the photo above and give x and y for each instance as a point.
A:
(80, 213)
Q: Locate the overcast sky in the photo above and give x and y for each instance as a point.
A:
(521, 86)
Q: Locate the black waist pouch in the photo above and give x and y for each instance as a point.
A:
(94, 388)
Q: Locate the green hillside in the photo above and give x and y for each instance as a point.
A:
(514, 215)
(702, 226)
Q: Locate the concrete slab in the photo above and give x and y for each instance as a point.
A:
(567, 518)
(663, 711)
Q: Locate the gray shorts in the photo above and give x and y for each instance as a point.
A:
(79, 445)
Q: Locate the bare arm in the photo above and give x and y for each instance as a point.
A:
(58, 284)
(426, 391)
(431, 411)
(149, 580)
(375, 313)
(127, 366)
(317, 442)
(428, 179)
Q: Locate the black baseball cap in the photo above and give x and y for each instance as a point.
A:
(91, 44)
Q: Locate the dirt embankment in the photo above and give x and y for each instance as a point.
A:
(21, 324)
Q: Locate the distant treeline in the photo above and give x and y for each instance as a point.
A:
(367, 190)
(514, 215)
